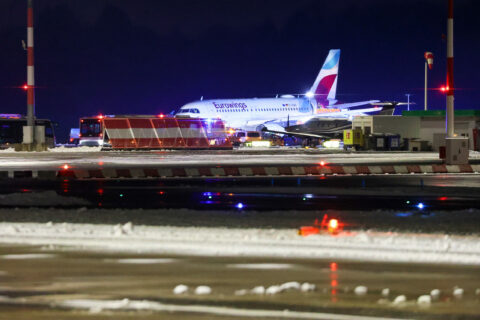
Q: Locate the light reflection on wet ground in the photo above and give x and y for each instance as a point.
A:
(38, 278)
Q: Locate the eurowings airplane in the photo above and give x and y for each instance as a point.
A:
(275, 114)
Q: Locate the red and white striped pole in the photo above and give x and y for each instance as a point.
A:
(450, 87)
(30, 69)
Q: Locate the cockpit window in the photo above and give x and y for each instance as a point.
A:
(187, 110)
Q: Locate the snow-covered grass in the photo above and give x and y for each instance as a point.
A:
(220, 241)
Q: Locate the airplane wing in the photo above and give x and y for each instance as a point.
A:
(294, 133)
(354, 104)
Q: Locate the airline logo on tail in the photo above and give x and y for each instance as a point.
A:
(324, 88)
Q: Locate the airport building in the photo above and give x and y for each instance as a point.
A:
(424, 129)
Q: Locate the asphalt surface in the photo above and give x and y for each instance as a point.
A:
(410, 203)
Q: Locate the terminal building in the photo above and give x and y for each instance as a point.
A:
(424, 130)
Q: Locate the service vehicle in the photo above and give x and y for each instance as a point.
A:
(11, 130)
(153, 132)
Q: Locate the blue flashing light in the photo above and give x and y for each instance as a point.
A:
(308, 196)
(207, 194)
(420, 206)
(239, 205)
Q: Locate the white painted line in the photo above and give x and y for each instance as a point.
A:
(400, 169)
(137, 173)
(192, 172)
(271, 171)
(109, 173)
(217, 171)
(375, 169)
(426, 168)
(245, 171)
(453, 168)
(475, 167)
(298, 171)
(349, 170)
(165, 172)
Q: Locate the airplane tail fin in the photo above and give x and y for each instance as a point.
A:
(325, 86)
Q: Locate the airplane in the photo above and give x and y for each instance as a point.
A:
(276, 114)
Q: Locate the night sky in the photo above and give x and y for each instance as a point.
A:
(148, 57)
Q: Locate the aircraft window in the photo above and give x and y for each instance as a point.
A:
(253, 134)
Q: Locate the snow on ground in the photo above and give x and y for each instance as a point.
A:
(220, 241)
(261, 266)
(96, 306)
(144, 261)
(91, 158)
(75, 149)
(26, 256)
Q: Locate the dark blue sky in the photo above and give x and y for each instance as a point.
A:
(147, 57)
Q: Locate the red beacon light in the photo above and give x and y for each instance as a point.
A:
(161, 115)
(331, 226)
(443, 88)
(100, 116)
(25, 87)
(322, 163)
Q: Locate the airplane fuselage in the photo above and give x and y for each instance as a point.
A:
(249, 113)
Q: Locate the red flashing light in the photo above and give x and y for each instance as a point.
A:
(25, 87)
(444, 88)
(100, 117)
(442, 198)
(333, 266)
(161, 116)
(322, 163)
(65, 167)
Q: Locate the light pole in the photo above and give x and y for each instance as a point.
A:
(408, 101)
(428, 65)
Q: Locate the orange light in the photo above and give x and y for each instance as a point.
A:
(333, 226)
(100, 163)
(231, 131)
